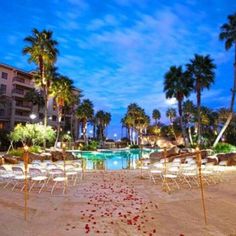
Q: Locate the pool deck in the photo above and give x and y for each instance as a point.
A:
(120, 203)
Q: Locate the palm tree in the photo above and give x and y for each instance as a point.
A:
(85, 113)
(156, 115)
(42, 51)
(35, 97)
(228, 34)
(171, 114)
(102, 120)
(127, 122)
(178, 86)
(201, 71)
(189, 111)
(62, 91)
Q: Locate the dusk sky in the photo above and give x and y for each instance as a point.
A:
(117, 51)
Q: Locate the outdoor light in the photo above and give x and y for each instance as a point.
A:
(115, 162)
(68, 132)
(33, 116)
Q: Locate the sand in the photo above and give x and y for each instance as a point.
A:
(120, 203)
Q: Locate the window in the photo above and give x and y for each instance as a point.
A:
(2, 112)
(4, 75)
(3, 89)
(1, 125)
(54, 118)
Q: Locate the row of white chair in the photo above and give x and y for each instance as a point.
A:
(41, 174)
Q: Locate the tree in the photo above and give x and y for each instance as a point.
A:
(189, 111)
(136, 120)
(171, 114)
(32, 134)
(228, 34)
(35, 97)
(177, 85)
(62, 91)
(42, 51)
(102, 120)
(201, 71)
(85, 113)
(156, 115)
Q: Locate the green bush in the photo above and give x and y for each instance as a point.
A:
(224, 148)
(134, 146)
(92, 146)
(19, 151)
(35, 149)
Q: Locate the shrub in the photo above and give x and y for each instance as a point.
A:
(134, 146)
(19, 151)
(92, 146)
(224, 148)
(35, 149)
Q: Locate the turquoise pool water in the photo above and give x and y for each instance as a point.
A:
(112, 159)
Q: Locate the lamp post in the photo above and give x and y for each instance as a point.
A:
(26, 160)
(115, 136)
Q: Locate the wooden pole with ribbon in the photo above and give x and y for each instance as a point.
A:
(165, 184)
(64, 165)
(199, 163)
(26, 195)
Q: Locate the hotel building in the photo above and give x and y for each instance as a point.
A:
(14, 109)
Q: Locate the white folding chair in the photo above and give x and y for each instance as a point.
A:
(37, 177)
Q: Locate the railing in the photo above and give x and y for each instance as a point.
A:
(21, 80)
(18, 91)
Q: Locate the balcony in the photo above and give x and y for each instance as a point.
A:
(23, 106)
(18, 92)
(23, 82)
(19, 118)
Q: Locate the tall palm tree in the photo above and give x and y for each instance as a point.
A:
(201, 71)
(156, 115)
(228, 34)
(177, 85)
(102, 121)
(62, 92)
(85, 113)
(42, 51)
(171, 114)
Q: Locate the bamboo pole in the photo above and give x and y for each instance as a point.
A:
(26, 196)
(64, 165)
(165, 184)
(199, 163)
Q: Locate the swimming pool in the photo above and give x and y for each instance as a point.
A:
(112, 159)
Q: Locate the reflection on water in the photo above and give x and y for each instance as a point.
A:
(112, 160)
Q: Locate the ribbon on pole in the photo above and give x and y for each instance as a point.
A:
(26, 195)
(199, 163)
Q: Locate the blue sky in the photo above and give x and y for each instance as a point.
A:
(117, 51)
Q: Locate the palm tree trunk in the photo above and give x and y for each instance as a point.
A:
(190, 135)
(199, 116)
(231, 109)
(58, 127)
(181, 122)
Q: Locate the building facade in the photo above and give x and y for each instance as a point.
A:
(14, 109)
